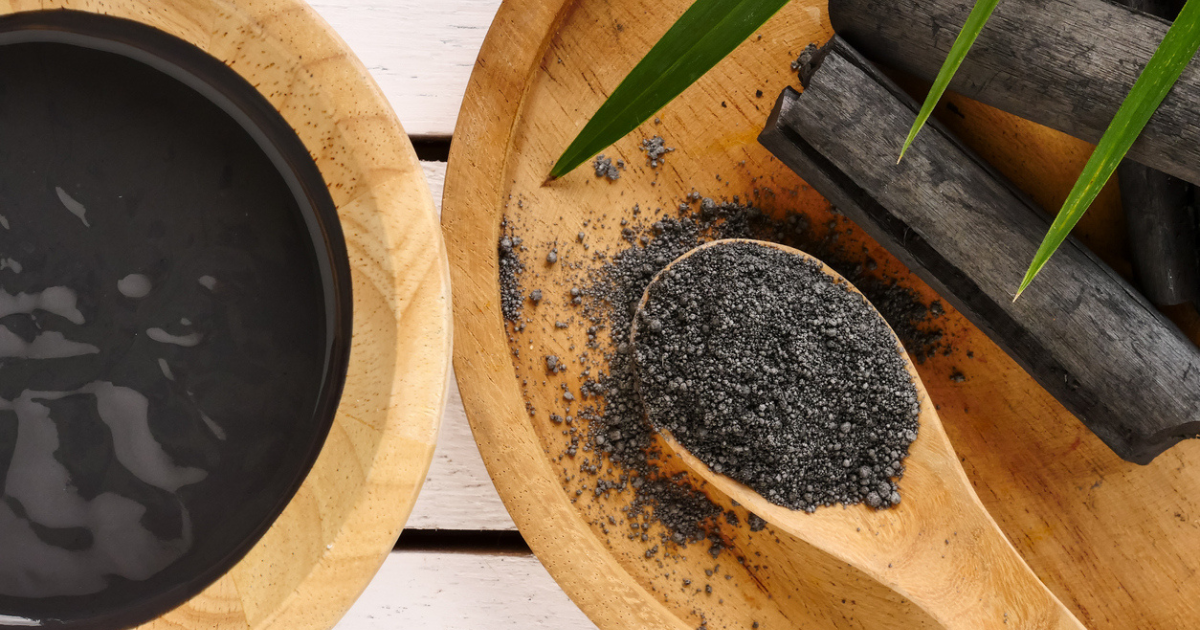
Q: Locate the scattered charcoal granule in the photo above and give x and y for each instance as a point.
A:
(511, 269)
(903, 309)
(957, 376)
(535, 296)
(552, 257)
(756, 522)
(551, 363)
(610, 291)
(655, 149)
(771, 373)
(604, 168)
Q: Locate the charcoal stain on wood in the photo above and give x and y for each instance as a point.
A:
(1066, 64)
(1081, 331)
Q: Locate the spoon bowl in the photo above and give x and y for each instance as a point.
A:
(938, 547)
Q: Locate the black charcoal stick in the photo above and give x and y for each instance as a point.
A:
(1066, 64)
(1080, 330)
(1158, 214)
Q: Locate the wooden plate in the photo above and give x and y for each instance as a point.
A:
(327, 544)
(1119, 543)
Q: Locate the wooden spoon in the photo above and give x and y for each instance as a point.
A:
(939, 547)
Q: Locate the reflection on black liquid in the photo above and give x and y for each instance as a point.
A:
(162, 327)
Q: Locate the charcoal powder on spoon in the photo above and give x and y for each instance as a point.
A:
(773, 374)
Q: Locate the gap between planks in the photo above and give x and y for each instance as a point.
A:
(497, 542)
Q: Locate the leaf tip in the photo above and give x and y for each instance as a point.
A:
(1024, 284)
(912, 135)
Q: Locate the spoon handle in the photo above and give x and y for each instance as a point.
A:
(945, 552)
(964, 572)
(939, 548)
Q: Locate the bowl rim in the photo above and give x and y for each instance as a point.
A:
(233, 94)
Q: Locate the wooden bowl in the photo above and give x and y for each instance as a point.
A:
(1116, 542)
(305, 496)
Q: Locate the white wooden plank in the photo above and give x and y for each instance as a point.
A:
(458, 493)
(421, 52)
(435, 175)
(455, 591)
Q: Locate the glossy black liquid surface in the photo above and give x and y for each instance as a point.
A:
(151, 429)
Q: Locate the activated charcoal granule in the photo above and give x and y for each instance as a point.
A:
(771, 373)
(656, 150)
(604, 168)
(606, 439)
(511, 269)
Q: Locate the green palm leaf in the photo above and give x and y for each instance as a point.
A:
(707, 32)
(1173, 55)
(958, 51)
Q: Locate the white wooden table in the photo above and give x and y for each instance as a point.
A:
(460, 564)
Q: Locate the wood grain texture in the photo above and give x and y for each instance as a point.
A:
(333, 536)
(1116, 542)
(458, 493)
(420, 52)
(455, 591)
(975, 581)
(1084, 333)
(1066, 64)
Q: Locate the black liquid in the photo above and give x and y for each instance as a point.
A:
(230, 348)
